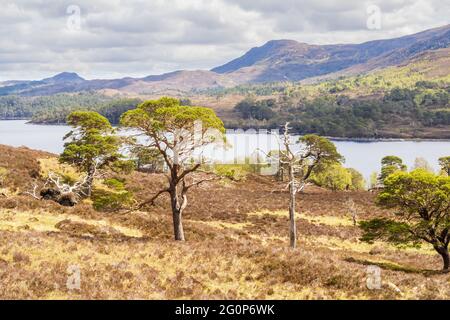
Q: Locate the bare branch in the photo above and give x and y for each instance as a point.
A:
(150, 201)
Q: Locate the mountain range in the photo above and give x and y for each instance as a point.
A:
(275, 61)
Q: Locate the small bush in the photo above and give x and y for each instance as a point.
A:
(114, 197)
(338, 178)
(232, 172)
(115, 183)
(334, 177)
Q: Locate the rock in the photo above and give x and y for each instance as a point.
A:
(50, 194)
(67, 200)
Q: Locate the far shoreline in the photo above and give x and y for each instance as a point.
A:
(340, 139)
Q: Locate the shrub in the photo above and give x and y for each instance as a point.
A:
(232, 172)
(113, 196)
(334, 177)
(237, 172)
(358, 181)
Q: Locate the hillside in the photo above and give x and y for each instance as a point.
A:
(410, 100)
(287, 60)
(277, 60)
(237, 245)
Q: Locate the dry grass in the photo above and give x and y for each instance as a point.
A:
(236, 248)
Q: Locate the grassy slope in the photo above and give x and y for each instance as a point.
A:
(236, 248)
(431, 66)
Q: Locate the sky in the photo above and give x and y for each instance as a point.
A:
(116, 38)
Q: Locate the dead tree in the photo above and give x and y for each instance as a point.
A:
(55, 189)
(313, 153)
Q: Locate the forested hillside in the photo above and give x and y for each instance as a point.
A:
(411, 100)
(54, 109)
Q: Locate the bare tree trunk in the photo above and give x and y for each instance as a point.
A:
(445, 257)
(89, 181)
(292, 229)
(177, 214)
(178, 226)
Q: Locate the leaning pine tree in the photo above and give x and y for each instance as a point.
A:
(176, 132)
(421, 204)
(90, 146)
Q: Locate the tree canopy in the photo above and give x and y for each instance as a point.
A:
(176, 132)
(389, 165)
(421, 201)
(92, 144)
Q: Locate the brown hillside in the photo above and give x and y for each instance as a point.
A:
(236, 246)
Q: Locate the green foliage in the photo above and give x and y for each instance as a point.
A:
(259, 110)
(91, 143)
(49, 109)
(371, 106)
(166, 115)
(358, 181)
(388, 230)
(318, 154)
(88, 121)
(337, 178)
(334, 177)
(419, 192)
(113, 198)
(236, 172)
(422, 203)
(232, 172)
(115, 183)
(123, 166)
(390, 165)
(373, 180)
(54, 109)
(91, 146)
(320, 148)
(114, 109)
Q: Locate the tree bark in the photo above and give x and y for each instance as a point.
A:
(89, 181)
(177, 214)
(178, 226)
(445, 258)
(292, 228)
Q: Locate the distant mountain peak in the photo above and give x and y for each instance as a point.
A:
(276, 60)
(65, 77)
(271, 50)
(280, 60)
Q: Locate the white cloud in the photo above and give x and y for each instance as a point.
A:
(137, 38)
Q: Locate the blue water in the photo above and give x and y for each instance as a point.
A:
(363, 156)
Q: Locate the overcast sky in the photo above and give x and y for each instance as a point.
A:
(118, 38)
